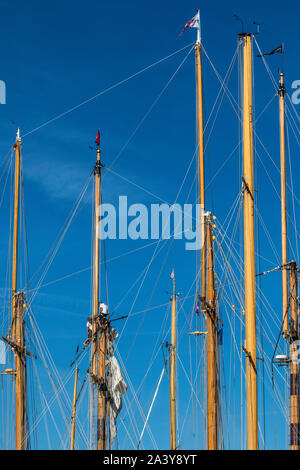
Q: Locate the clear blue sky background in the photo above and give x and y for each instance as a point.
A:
(54, 55)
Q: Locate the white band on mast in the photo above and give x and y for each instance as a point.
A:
(198, 28)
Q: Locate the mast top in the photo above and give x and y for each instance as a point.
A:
(194, 23)
(281, 91)
(18, 138)
(244, 35)
(198, 27)
(98, 150)
(172, 277)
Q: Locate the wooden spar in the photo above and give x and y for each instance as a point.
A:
(289, 296)
(294, 366)
(207, 274)
(74, 410)
(17, 148)
(212, 401)
(97, 202)
(94, 347)
(17, 324)
(201, 162)
(249, 247)
(173, 372)
(281, 94)
(99, 337)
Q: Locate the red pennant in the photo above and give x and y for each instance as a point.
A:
(97, 141)
(197, 309)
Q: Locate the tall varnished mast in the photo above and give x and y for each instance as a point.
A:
(290, 313)
(281, 94)
(201, 155)
(17, 326)
(249, 246)
(17, 148)
(99, 335)
(207, 268)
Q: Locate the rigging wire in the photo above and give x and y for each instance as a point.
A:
(103, 92)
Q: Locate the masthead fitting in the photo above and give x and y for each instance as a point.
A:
(198, 28)
(194, 23)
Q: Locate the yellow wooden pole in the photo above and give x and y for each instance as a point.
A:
(201, 163)
(99, 337)
(17, 325)
(17, 148)
(294, 366)
(74, 410)
(96, 257)
(173, 372)
(249, 247)
(281, 94)
(212, 404)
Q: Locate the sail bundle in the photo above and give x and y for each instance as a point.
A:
(116, 387)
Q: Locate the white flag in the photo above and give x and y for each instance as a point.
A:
(193, 23)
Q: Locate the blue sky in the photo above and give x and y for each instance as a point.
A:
(55, 55)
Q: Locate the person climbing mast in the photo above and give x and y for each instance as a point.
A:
(89, 328)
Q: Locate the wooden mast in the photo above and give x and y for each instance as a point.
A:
(74, 410)
(17, 148)
(99, 337)
(249, 246)
(294, 366)
(97, 175)
(289, 295)
(211, 319)
(281, 94)
(173, 371)
(17, 329)
(207, 297)
(201, 158)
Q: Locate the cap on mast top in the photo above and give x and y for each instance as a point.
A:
(198, 28)
(18, 138)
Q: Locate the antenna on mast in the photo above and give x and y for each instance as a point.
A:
(258, 27)
(240, 20)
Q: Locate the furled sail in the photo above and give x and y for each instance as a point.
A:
(116, 386)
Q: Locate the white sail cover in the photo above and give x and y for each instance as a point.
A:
(116, 388)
